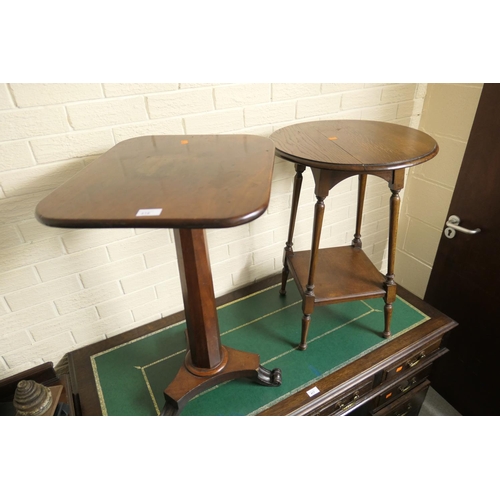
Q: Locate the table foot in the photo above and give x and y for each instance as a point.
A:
(186, 384)
(269, 377)
(306, 321)
(387, 321)
(169, 410)
(284, 279)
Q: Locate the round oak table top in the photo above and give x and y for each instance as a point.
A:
(353, 145)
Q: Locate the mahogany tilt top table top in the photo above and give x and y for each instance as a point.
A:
(203, 181)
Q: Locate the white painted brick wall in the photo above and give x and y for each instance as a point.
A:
(27, 123)
(15, 155)
(218, 122)
(108, 112)
(5, 97)
(61, 324)
(61, 289)
(270, 113)
(71, 264)
(46, 292)
(238, 96)
(43, 94)
(121, 89)
(180, 103)
(74, 145)
(285, 91)
(38, 178)
(173, 126)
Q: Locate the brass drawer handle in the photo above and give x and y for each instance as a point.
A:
(345, 406)
(408, 408)
(417, 360)
(410, 384)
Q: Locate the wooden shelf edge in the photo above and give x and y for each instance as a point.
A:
(343, 274)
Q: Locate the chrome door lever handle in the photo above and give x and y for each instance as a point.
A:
(454, 223)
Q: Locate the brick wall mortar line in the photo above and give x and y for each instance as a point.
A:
(4, 364)
(65, 250)
(70, 132)
(30, 336)
(68, 118)
(32, 153)
(6, 304)
(76, 132)
(146, 105)
(11, 95)
(19, 233)
(33, 108)
(37, 274)
(72, 337)
(109, 255)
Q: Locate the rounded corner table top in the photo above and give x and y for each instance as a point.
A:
(356, 145)
(174, 181)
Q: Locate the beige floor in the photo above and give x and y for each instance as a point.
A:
(436, 406)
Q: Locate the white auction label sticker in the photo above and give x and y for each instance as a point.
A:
(148, 211)
(312, 392)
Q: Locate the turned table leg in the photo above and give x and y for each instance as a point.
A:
(356, 242)
(308, 303)
(390, 284)
(297, 185)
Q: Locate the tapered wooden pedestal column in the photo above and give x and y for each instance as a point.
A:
(207, 361)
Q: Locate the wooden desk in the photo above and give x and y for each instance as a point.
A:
(334, 151)
(188, 183)
(384, 379)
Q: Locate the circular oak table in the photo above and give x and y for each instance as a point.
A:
(335, 150)
(188, 183)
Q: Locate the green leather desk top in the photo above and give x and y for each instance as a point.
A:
(131, 377)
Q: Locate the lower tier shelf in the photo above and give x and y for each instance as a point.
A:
(342, 274)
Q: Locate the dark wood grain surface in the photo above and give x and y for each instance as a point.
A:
(355, 145)
(200, 181)
(343, 274)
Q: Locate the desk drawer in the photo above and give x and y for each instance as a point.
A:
(344, 401)
(402, 387)
(410, 361)
(408, 405)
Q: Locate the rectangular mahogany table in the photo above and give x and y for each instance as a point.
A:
(188, 183)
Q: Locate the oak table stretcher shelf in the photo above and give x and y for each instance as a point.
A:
(188, 183)
(335, 150)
